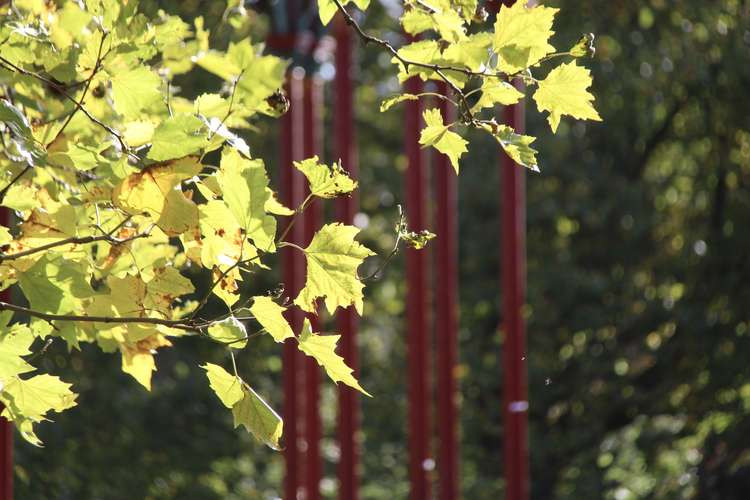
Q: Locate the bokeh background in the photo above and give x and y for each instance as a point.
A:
(638, 297)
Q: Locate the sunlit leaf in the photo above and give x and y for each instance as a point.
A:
(564, 92)
(521, 35)
(439, 135)
(326, 181)
(270, 316)
(333, 257)
(258, 418)
(227, 387)
(323, 349)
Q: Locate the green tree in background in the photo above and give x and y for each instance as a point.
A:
(140, 211)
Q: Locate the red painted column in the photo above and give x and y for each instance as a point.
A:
(311, 117)
(446, 315)
(418, 345)
(345, 149)
(292, 192)
(6, 427)
(513, 269)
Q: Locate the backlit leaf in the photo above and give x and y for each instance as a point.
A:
(243, 183)
(564, 92)
(258, 418)
(439, 135)
(327, 8)
(176, 137)
(270, 316)
(134, 89)
(323, 349)
(333, 257)
(227, 387)
(230, 331)
(326, 181)
(522, 34)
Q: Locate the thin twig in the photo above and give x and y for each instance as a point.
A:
(94, 71)
(439, 69)
(173, 323)
(13, 181)
(59, 88)
(71, 241)
(216, 282)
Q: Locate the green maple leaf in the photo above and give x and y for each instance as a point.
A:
(439, 136)
(564, 92)
(323, 349)
(327, 8)
(29, 401)
(472, 51)
(522, 34)
(333, 257)
(14, 343)
(392, 101)
(230, 331)
(325, 181)
(227, 387)
(517, 146)
(270, 316)
(56, 286)
(243, 183)
(497, 92)
(415, 21)
(178, 136)
(258, 418)
(274, 206)
(23, 137)
(134, 89)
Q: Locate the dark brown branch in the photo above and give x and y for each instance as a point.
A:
(216, 282)
(367, 38)
(71, 241)
(172, 323)
(59, 88)
(437, 68)
(94, 71)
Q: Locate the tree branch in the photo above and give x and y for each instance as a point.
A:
(437, 68)
(13, 181)
(59, 88)
(173, 323)
(94, 71)
(72, 241)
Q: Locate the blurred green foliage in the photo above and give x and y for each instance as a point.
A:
(638, 303)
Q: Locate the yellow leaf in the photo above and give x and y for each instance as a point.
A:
(564, 92)
(258, 418)
(333, 257)
(438, 135)
(138, 358)
(323, 349)
(226, 386)
(325, 181)
(270, 316)
(522, 34)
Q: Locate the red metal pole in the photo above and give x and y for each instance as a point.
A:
(446, 317)
(6, 427)
(311, 116)
(416, 304)
(292, 186)
(515, 391)
(345, 150)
